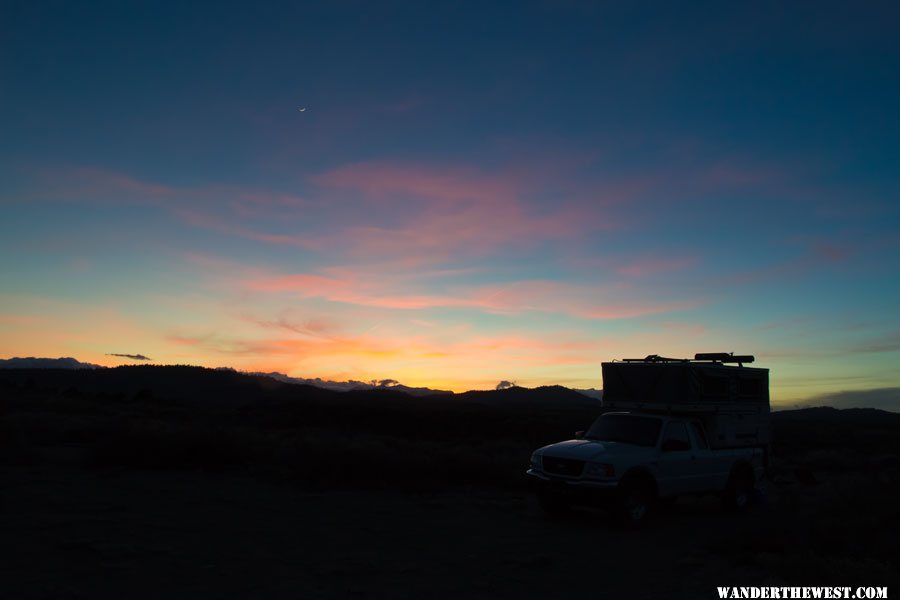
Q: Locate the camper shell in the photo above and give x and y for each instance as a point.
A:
(731, 400)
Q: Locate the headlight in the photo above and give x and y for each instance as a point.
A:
(600, 470)
(536, 461)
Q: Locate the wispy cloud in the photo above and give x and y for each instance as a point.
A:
(502, 349)
(436, 213)
(207, 220)
(418, 213)
(220, 208)
(649, 265)
(584, 301)
(882, 342)
(389, 181)
(320, 327)
(815, 256)
(98, 185)
(131, 356)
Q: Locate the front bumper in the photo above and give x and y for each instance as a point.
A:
(574, 484)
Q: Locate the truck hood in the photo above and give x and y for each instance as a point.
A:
(591, 449)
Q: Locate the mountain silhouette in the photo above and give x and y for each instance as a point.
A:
(45, 363)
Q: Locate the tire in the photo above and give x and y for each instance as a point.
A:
(666, 504)
(552, 503)
(738, 492)
(635, 501)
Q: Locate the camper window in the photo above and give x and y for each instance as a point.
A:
(748, 386)
(715, 385)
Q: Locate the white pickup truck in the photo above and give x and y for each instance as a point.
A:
(631, 459)
(677, 426)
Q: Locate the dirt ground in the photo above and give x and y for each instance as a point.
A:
(75, 533)
(172, 482)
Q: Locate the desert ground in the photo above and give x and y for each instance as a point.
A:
(84, 514)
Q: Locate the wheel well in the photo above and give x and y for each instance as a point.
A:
(742, 469)
(640, 476)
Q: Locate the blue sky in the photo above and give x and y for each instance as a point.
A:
(476, 191)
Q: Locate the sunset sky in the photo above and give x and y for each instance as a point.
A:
(476, 191)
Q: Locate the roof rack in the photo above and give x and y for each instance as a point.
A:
(725, 357)
(656, 358)
(714, 357)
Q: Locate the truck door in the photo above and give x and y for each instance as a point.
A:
(675, 464)
(709, 468)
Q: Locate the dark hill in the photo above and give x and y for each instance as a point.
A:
(31, 362)
(844, 433)
(553, 395)
(846, 416)
(192, 417)
(225, 388)
(179, 384)
(170, 417)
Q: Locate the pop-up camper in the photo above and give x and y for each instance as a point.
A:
(730, 399)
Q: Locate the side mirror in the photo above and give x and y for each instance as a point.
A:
(579, 434)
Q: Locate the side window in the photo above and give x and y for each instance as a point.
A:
(715, 386)
(676, 438)
(699, 435)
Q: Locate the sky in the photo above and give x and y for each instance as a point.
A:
(476, 191)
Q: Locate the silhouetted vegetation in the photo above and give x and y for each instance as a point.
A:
(187, 418)
(836, 474)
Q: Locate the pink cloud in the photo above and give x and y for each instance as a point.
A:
(304, 284)
(419, 214)
(314, 327)
(434, 213)
(289, 353)
(214, 222)
(378, 179)
(638, 309)
(414, 212)
(587, 302)
(818, 255)
(831, 252)
(439, 213)
(220, 208)
(583, 301)
(187, 340)
(647, 266)
(359, 292)
(102, 184)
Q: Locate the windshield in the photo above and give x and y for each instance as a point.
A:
(640, 431)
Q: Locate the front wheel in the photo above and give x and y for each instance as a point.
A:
(634, 502)
(738, 492)
(552, 503)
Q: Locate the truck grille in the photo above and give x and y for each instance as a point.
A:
(562, 466)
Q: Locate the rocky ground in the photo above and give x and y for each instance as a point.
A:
(68, 532)
(190, 483)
